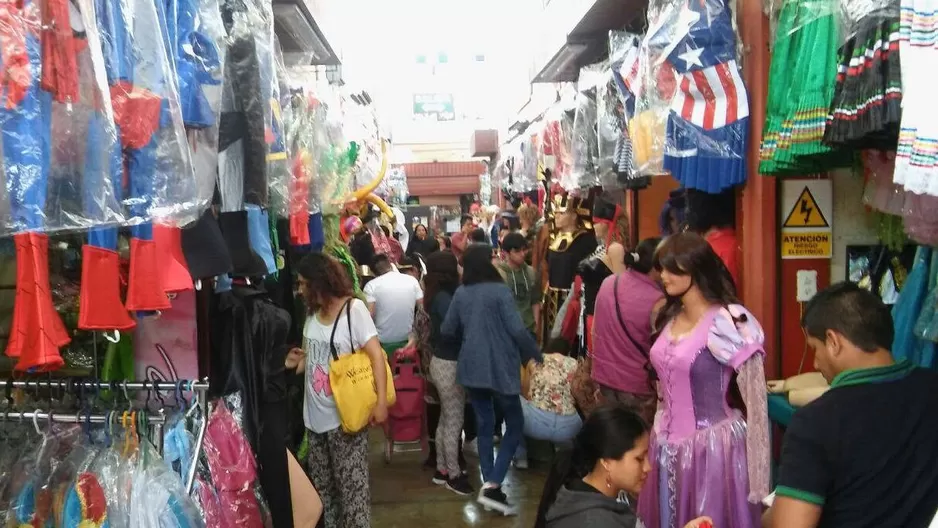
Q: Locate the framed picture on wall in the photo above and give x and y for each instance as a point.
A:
(880, 269)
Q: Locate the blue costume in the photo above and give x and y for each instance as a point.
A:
(708, 126)
(36, 332)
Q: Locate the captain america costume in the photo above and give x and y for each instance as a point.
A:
(37, 331)
(140, 115)
(708, 124)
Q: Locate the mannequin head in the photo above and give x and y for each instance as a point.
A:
(693, 276)
(570, 213)
(848, 328)
(566, 221)
(610, 224)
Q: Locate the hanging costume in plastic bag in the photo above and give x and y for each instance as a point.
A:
(250, 138)
(624, 56)
(153, 151)
(708, 127)
(195, 36)
(36, 332)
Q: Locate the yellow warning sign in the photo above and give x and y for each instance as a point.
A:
(806, 212)
(806, 244)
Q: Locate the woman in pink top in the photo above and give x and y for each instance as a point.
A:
(622, 332)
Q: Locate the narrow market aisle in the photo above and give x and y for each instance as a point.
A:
(402, 495)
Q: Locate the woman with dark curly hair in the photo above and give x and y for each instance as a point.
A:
(336, 321)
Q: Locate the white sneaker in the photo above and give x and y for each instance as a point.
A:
(521, 463)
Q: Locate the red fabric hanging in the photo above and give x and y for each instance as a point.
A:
(100, 306)
(59, 63)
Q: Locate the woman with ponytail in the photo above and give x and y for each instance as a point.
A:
(626, 307)
(596, 484)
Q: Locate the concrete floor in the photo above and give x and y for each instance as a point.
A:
(404, 497)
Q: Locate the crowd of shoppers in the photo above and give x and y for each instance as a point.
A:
(680, 435)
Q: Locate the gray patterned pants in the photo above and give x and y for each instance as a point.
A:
(338, 467)
(452, 407)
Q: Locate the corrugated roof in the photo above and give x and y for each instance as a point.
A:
(443, 178)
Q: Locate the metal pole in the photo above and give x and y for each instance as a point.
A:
(155, 419)
(104, 385)
(200, 439)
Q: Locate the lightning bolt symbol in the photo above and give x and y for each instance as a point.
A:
(806, 210)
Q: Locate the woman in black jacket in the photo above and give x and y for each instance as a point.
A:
(421, 242)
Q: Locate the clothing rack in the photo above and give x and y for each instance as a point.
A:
(199, 388)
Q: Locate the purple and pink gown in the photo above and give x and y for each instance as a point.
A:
(706, 459)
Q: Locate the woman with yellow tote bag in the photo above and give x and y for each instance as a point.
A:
(338, 461)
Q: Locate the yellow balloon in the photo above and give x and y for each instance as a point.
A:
(382, 205)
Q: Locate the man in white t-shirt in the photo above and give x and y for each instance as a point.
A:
(392, 299)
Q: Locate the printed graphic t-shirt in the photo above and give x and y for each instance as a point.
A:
(319, 410)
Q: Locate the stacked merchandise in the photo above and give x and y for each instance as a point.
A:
(866, 106)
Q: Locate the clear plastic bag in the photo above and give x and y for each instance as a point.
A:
(525, 173)
(278, 165)
(584, 172)
(198, 47)
(158, 497)
(246, 115)
(32, 487)
(335, 155)
(690, 50)
(233, 469)
(613, 145)
(646, 126)
(554, 143)
(114, 470)
(624, 55)
(56, 123)
(142, 81)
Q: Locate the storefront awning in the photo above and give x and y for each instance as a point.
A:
(586, 24)
(443, 177)
(301, 38)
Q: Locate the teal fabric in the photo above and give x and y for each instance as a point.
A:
(780, 411)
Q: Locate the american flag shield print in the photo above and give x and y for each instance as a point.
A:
(711, 97)
(708, 123)
(710, 91)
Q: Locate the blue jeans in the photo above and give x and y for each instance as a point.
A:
(483, 402)
(545, 425)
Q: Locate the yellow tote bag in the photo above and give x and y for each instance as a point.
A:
(353, 382)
